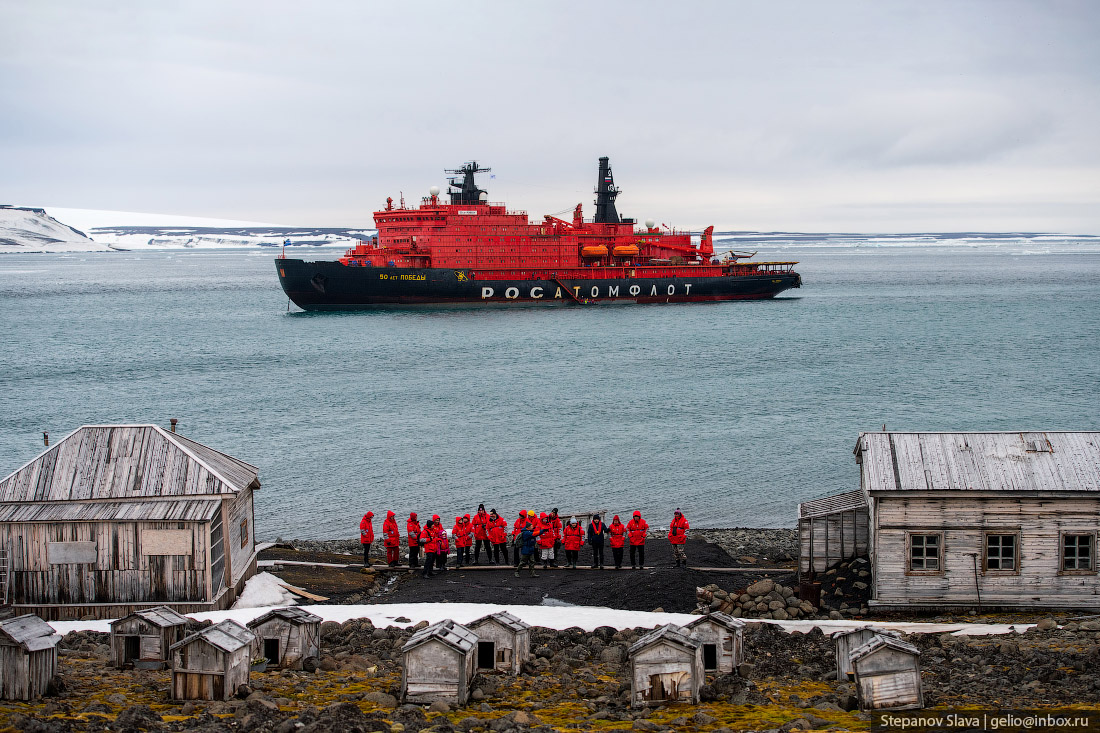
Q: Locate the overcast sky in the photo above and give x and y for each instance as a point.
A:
(796, 116)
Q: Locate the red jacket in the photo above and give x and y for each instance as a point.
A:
(461, 533)
(391, 535)
(546, 533)
(573, 537)
(442, 543)
(555, 523)
(637, 528)
(517, 528)
(498, 531)
(366, 529)
(617, 533)
(677, 531)
(481, 519)
(427, 538)
(412, 527)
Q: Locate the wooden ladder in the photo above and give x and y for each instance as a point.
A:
(4, 573)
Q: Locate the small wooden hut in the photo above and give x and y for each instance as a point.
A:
(286, 637)
(503, 642)
(666, 666)
(439, 663)
(847, 641)
(28, 657)
(887, 672)
(212, 663)
(145, 637)
(722, 637)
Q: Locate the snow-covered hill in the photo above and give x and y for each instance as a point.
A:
(24, 229)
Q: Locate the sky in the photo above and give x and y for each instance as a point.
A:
(807, 116)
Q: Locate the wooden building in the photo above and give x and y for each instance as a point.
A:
(143, 638)
(975, 520)
(115, 518)
(723, 640)
(847, 641)
(831, 530)
(887, 673)
(28, 657)
(503, 642)
(439, 663)
(666, 666)
(211, 664)
(286, 637)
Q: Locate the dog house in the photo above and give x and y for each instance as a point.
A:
(145, 637)
(666, 666)
(28, 657)
(439, 663)
(722, 637)
(286, 637)
(211, 664)
(887, 672)
(850, 640)
(503, 642)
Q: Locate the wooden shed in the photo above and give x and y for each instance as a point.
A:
(830, 530)
(439, 663)
(28, 657)
(847, 641)
(722, 637)
(666, 666)
(115, 518)
(989, 520)
(503, 642)
(144, 638)
(211, 664)
(887, 672)
(286, 637)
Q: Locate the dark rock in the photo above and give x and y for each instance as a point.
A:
(139, 717)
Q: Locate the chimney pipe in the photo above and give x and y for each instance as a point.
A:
(173, 421)
(46, 438)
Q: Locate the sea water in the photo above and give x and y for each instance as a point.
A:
(733, 412)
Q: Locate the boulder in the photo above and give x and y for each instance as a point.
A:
(760, 588)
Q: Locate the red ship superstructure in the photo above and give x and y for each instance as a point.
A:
(469, 240)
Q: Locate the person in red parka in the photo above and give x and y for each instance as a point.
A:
(412, 529)
(481, 534)
(572, 539)
(428, 542)
(616, 533)
(391, 539)
(462, 532)
(442, 544)
(555, 523)
(366, 535)
(545, 540)
(517, 530)
(497, 529)
(637, 528)
(677, 535)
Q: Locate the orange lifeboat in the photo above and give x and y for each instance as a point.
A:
(626, 250)
(594, 250)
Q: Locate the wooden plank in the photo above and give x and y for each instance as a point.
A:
(303, 593)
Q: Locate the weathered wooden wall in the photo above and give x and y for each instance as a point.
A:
(888, 680)
(517, 645)
(727, 643)
(435, 671)
(240, 527)
(26, 676)
(296, 641)
(680, 670)
(829, 539)
(201, 671)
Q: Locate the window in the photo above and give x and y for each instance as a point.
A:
(1000, 552)
(244, 533)
(924, 552)
(1077, 552)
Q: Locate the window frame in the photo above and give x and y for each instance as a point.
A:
(1092, 535)
(909, 535)
(1002, 532)
(244, 533)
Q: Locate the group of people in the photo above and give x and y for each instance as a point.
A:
(535, 537)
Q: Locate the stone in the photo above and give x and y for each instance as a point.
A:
(776, 605)
(701, 718)
(439, 707)
(780, 614)
(746, 669)
(760, 588)
(381, 698)
(477, 694)
(613, 654)
(859, 584)
(1046, 624)
(137, 717)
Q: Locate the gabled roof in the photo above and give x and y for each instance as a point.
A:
(858, 629)
(668, 633)
(30, 632)
(161, 616)
(722, 619)
(454, 635)
(505, 619)
(1032, 462)
(878, 642)
(229, 636)
(175, 510)
(126, 462)
(292, 614)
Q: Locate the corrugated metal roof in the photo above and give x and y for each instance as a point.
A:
(178, 510)
(722, 619)
(452, 634)
(161, 616)
(30, 632)
(123, 462)
(858, 629)
(504, 618)
(229, 636)
(846, 502)
(1034, 462)
(290, 613)
(668, 632)
(878, 642)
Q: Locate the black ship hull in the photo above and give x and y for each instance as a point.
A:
(331, 285)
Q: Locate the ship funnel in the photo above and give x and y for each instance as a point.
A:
(173, 421)
(605, 195)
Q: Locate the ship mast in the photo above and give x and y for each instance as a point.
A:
(605, 195)
(468, 192)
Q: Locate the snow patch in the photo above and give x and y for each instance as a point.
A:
(263, 590)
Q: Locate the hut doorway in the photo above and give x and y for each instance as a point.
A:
(710, 657)
(486, 654)
(131, 649)
(271, 651)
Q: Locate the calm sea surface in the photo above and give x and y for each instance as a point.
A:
(735, 412)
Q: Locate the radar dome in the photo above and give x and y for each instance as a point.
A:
(649, 223)
(483, 197)
(434, 190)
